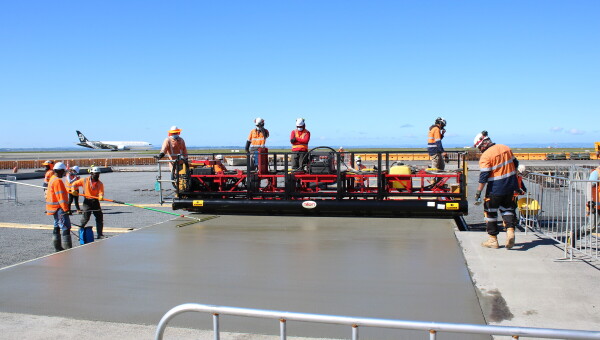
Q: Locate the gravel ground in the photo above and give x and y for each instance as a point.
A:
(20, 245)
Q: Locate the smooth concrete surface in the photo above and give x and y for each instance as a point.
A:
(380, 267)
(531, 285)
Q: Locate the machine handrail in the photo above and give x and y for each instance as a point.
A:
(431, 327)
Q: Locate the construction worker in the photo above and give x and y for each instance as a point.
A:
(48, 166)
(93, 193)
(358, 163)
(498, 170)
(56, 205)
(256, 139)
(299, 139)
(219, 166)
(593, 196)
(522, 189)
(72, 176)
(434, 144)
(173, 145)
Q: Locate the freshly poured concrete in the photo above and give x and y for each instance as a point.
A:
(370, 267)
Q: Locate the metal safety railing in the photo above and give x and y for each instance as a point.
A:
(429, 328)
(564, 207)
(9, 190)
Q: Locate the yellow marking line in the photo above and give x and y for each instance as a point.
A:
(50, 227)
(151, 205)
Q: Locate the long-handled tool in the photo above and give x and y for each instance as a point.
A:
(128, 204)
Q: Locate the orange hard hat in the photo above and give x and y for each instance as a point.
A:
(175, 130)
(48, 162)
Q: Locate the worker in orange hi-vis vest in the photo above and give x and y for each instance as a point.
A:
(173, 145)
(256, 140)
(57, 205)
(299, 139)
(434, 144)
(498, 172)
(93, 193)
(70, 178)
(48, 165)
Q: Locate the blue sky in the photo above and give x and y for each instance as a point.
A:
(362, 73)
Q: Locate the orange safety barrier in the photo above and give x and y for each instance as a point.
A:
(522, 156)
(537, 156)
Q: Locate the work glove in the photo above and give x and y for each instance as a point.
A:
(478, 197)
(293, 140)
(69, 212)
(100, 198)
(160, 155)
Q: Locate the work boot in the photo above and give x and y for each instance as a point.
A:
(99, 232)
(492, 242)
(66, 241)
(510, 238)
(56, 241)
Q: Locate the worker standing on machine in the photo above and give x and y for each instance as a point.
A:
(72, 176)
(498, 169)
(256, 139)
(93, 193)
(48, 166)
(173, 146)
(299, 139)
(434, 144)
(56, 205)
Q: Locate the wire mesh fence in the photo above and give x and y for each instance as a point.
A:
(563, 205)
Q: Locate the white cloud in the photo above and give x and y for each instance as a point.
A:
(556, 129)
(576, 132)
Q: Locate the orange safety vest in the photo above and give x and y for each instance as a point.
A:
(48, 175)
(257, 139)
(69, 185)
(174, 146)
(56, 196)
(90, 189)
(434, 139)
(300, 146)
(595, 189)
(498, 160)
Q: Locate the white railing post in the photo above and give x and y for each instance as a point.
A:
(216, 329)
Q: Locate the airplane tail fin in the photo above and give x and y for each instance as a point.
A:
(82, 138)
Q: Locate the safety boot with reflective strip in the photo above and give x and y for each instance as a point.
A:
(510, 238)
(491, 242)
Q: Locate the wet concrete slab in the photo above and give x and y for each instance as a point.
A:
(389, 268)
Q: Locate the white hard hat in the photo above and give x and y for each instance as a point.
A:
(258, 121)
(480, 138)
(441, 121)
(300, 122)
(75, 169)
(175, 130)
(521, 168)
(357, 158)
(60, 166)
(219, 157)
(95, 170)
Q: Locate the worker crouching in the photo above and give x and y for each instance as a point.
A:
(498, 170)
(93, 193)
(56, 205)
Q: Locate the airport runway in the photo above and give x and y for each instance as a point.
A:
(391, 268)
(368, 267)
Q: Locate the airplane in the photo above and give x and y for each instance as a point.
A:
(113, 146)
